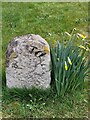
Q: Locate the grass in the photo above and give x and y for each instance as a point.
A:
(43, 103)
(49, 20)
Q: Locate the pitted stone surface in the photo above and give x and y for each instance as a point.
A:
(28, 62)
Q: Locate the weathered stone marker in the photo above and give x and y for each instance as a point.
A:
(28, 62)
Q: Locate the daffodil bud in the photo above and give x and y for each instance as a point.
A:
(69, 60)
(66, 67)
(81, 46)
(67, 34)
(81, 36)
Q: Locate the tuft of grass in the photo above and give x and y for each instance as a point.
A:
(33, 93)
(34, 103)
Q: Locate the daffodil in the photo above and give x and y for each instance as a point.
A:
(81, 36)
(69, 60)
(66, 67)
(82, 47)
(67, 34)
(77, 36)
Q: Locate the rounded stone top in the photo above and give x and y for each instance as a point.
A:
(20, 44)
(28, 62)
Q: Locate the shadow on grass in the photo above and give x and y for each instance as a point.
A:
(24, 94)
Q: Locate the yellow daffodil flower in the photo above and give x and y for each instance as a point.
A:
(69, 60)
(82, 47)
(66, 67)
(81, 36)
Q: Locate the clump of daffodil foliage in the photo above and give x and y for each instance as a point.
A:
(69, 64)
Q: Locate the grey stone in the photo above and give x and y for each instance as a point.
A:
(28, 62)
